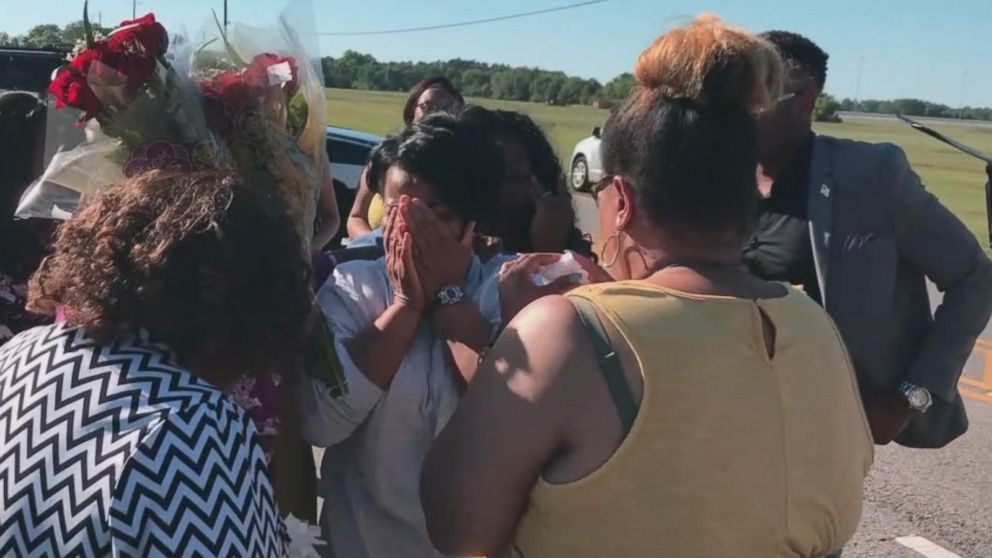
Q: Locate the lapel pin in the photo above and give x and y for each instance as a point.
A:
(826, 239)
(825, 190)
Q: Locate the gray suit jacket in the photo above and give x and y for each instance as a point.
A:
(877, 235)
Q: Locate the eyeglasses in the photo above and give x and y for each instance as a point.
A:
(601, 185)
(428, 107)
(786, 96)
(781, 99)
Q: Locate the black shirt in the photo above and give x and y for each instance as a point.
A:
(780, 249)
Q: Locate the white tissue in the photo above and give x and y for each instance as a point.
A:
(566, 265)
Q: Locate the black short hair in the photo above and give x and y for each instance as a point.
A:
(381, 158)
(691, 166)
(522, 128)
(459, 158)
(437, 82)
(798, 52)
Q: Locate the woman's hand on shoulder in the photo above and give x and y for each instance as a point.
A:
(596, 273)
(516, 283)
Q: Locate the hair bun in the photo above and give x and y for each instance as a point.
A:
(712, 64)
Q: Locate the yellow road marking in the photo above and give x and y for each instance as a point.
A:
(980, 388)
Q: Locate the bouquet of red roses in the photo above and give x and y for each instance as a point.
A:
(140, 113)
(262, 114)
(244, 108)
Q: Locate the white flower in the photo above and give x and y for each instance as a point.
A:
(303, 537)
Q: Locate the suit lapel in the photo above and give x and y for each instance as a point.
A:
(821, 202)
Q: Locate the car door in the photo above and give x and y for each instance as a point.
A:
(347, 160)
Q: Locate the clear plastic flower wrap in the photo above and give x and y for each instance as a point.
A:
(140, 111)
(246, 99)
(263, 94)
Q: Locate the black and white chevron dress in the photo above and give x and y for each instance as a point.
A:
(117, 451)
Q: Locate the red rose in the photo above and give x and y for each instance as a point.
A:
(258, 70)
(87, 56)
(70, 88)
(141, 37)
(233, 88)
(136, 69)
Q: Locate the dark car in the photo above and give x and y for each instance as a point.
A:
(348, 150)
(28, 69)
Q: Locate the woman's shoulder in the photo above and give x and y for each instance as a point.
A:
(141, 371)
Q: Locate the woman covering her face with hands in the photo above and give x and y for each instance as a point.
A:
(409, 328)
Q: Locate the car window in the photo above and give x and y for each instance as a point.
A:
(347, 153)
(27, 71)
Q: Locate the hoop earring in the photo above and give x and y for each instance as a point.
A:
(610, 262)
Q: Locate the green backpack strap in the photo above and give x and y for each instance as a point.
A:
(609, 362)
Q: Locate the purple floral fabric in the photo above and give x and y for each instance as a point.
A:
(261, 398)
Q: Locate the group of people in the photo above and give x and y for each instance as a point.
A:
(710, 385)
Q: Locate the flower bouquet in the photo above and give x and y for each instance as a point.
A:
(139, 110)
(268, 109)
(250, 107)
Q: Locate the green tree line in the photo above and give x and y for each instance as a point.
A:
(50, 36)
(916, 107)
(354, 70)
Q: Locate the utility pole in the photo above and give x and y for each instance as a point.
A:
(134, 9)
(857, 91)
(225, 16)
(964, 84)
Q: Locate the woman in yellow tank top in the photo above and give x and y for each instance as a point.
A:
(686, 408)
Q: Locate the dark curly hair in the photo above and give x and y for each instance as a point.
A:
(544, 163)
(211, 266)
(800, 53)
(520, 127)
(435, 82)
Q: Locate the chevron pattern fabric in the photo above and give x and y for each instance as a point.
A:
(114, 450)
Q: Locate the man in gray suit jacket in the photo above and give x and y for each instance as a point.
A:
(851, 223)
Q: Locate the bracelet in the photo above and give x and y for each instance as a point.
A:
(484, 353)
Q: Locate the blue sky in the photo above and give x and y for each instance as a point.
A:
(939, 50)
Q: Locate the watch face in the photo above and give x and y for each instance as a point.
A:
(919, 398)
(449, 295)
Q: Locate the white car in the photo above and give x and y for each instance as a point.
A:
(587, 164)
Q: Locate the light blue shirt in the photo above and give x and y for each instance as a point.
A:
(377, 440)
(370, 238)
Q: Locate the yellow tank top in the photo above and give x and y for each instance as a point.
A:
(376, 211)
(732, 453)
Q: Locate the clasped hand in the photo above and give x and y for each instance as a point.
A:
(422, 255)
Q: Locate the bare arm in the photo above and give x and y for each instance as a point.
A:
(379, 350)
(481, 469)
(935, 241)
(358, 218)
(467, 333)
(330, 219)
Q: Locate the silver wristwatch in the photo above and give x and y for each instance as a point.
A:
(919, 398)
(452, 294)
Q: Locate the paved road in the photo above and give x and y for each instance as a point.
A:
(943, 495)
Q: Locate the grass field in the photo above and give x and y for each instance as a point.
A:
(955, 178)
